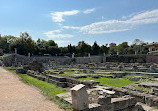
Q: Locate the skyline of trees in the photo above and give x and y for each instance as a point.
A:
(25, 44)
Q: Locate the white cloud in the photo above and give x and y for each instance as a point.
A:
(89, 11)
(103, 27)
(70, 27)
(58, 16)
(106, 27)
(62, 41)
(111, 26)
(56, 34)
(146, 15)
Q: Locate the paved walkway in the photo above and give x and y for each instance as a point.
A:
(17, 96)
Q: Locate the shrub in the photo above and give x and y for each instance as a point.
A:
(61, 72)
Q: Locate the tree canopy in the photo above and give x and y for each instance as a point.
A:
(25, 44)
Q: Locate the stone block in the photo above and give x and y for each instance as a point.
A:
(41, 78)
(154, 91)
(62, 84)
(119, 103)
(137, 78)
(155, 101)
(140, 97)
(94, 107)
(51, 81)
(21, 71)
(143, 107)
(95, 76)
(79, 97)
(77, 72)
(61, 79)
(84, 71)
(91, 72)
(102, 100)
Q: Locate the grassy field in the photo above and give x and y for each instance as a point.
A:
(110, 81)
(50, 90)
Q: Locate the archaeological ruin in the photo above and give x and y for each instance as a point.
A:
(97, 83)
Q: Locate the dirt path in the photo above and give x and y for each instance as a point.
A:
(17, 96)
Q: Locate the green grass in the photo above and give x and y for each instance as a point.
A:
(102, 72)
(49, 90)
(1, 57)
(110, 81)
(141, 88)
(51, 70)
(143, 76)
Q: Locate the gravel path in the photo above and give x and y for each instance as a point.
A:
(17, 96)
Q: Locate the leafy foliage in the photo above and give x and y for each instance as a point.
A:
(25, 45)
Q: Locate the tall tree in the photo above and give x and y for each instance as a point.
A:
(95, 48)
(123, 48)
(5, 42)
(104, 49)
(137, 46)
(83, 48)
(24, 44)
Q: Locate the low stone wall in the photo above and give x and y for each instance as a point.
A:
(60, 60)
(148, 99)
(8, 60)
(92, 59)
(152, 59)
(113, 104)
(68, 82)
(37, 76)
(15, 59)
(127, 58)
(60, 80)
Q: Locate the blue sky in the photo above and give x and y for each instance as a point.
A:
(70, 21)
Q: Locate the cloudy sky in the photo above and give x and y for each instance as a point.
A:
(70, 21)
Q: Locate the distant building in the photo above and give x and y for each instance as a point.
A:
(112, 44)
(153, 48)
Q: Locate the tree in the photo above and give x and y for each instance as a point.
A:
(95, 48)
(63, 51)
(24, 44)
(52, 43)
(104, 49)
(83, 48)
(53, 50)
(123, 48)
(137, 46)
(70, 49)
(5, 42)
(47, 47)
(113, 50)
